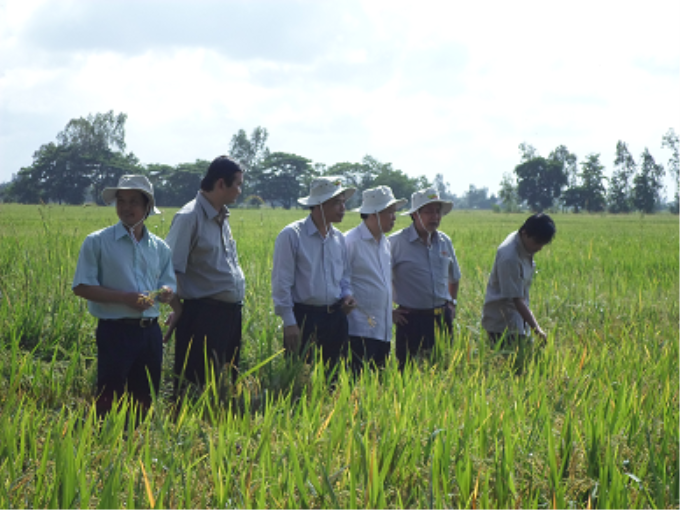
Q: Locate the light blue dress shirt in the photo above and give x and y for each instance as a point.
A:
(371, 268)
(421, 274)
(308, 269)
(110, 258)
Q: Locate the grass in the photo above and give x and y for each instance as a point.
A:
(593, 421)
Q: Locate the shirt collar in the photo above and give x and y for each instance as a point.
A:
(413, 234)
(208, 209)
(311, 229)
(520, 247)
(120, 231)
(365, 233)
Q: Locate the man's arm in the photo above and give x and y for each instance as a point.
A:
(100, 294)
(528, 316)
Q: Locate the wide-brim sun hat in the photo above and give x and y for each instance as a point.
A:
(378, 199)
(427, 196)
(323, 189)
(132, 182)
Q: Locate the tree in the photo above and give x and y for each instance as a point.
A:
(568, 160)
(647, 184)
(620, 196)
(284, 177)
(251, 154)
(89, 155)
(540, 181)
(477, 198)
(592, 189)
(528, 151)
(508, 194)
(443, 188)
(175, 186)
(670, 141)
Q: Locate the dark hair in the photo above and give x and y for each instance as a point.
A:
(364, 216)
(539, 227)
(222, 167)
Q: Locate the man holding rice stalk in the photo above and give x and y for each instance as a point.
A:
(311, 277)
(506, 315)
(425, 276)
(370, 325)
(124, 271)
(210, 280)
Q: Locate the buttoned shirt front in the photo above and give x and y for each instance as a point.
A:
(421, 273)
(308, 268)
(511, 277)
(371, 269)
(110, 258)
(204, 253)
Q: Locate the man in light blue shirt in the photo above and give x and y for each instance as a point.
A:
(425, 276)
(370, 325)
(310, 276)
(125, 272)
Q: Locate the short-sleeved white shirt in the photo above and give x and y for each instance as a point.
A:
(511, 277)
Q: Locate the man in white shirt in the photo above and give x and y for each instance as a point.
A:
(370, 325)
(310, 275)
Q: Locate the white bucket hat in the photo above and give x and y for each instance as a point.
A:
(135, 182)
(378, 199)
(323, 189)
(427, 196)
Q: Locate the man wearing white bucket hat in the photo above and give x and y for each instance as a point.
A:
(370, 325)
(310, 276)
(210, 280)
(425, 276)
(124, 271)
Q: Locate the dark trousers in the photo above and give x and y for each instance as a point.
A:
(419, 334)
(371, 351)
(323, 330)
(128, 357)
(518, 348)
(207, 330)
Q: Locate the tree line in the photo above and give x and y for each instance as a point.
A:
(90, 154)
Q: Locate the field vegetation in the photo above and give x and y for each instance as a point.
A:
(592, 422)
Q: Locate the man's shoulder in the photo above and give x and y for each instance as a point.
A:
(99, 234)
(294, 228)
(398, 234)
(191, 207)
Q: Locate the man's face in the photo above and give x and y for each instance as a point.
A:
(131, 206)
(531, 244)
(334, 209)
(387, 218)
(430, 216)
(232, 192)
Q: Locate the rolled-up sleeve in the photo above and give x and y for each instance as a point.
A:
(283, 276)
(87, 269)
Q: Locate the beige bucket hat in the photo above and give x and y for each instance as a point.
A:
(427, 196)
(135, 182)
(323, 189)
(378, 199)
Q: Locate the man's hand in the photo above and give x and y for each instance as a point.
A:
(451, 307)
(540, 333)
(137, 301)
(291, 338)
(399, 316)
(173, 318)
(166, 294)
(348, 304)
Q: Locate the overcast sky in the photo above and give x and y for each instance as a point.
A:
(449, 87)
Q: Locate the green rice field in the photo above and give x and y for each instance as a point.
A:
(592, 422)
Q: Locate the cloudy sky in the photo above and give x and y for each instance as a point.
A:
(447, 87)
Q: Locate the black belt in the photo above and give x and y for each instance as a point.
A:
(214, 302)
(318, 308)
(439, 310)
(142, 322)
